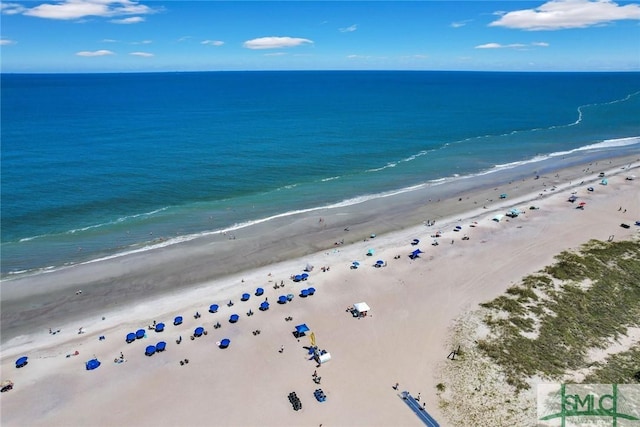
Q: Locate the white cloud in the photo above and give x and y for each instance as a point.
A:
(102, 52)
(11, 8)
(131, 20)
(6, 42)
(511, 45)
(77, 9)
(212, 42)
(275, 54)
(348, 29)
(143, 54)
(563, 14)
(460, 23)
(275, 42)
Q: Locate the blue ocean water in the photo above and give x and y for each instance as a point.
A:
(99, 164)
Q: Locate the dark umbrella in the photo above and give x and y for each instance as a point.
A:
(198, 331)
(259, 292)
(234, 318)
(213, 308)
(22, 362)
(92, 364)
(131, 337)
(415, 242)
(160, 327)
(225, 343)
(150, 350)
(177, 321)
(245, 297)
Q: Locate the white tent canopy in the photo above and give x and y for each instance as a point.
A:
(361, 307)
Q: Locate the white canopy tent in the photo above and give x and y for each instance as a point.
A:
(361, 309)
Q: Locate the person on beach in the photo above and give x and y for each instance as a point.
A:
(395, 387)
(281, 349)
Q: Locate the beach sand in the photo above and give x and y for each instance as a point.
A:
(403, 339)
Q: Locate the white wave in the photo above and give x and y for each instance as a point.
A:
(332, 178)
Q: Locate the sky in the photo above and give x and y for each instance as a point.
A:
(84, 36)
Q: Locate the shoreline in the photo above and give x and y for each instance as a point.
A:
(28, 302)
(403, 340)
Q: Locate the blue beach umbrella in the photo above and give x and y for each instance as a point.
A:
(379, 262)
(304, 293)
(301, 329)
(140, 333)
(131, 337)
(177, 321)
(415, 242)
(245, 297)
(282, 299)
(198, 331)
(259, 292)
(297, 278)
(213, 308)
(304, 276)
(225, 343)
(150, 350)
(161, 346)
(264, 306)
(92, 364)
(234, 318)
(21, 362)
(160, 327)
(311, 291)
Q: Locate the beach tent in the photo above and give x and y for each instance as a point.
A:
(311, 291)
(22, 362)
(323, 357)
(573, 198)
(264, 306)
(234, 318)
(161, 346)
(259, 292)
(289, 297)
(308, 268)
(177, 321)
(198, 331)
(604, 182)
(282, 299)
(160, 327)
(498, 217)
(224, 343)
(140, 333)
(304, 293)
(503, 196)
(245, 297)
(92, 364)
(370, 252)
(131, 337)
(361, 309)
(150, 350)
(213, 308)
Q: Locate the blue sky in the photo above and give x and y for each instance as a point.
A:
(139, 35)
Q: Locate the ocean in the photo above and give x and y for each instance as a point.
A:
(100, 165)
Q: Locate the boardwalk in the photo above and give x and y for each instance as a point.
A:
(417, 408)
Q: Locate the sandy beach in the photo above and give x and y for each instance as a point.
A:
(402, 339)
